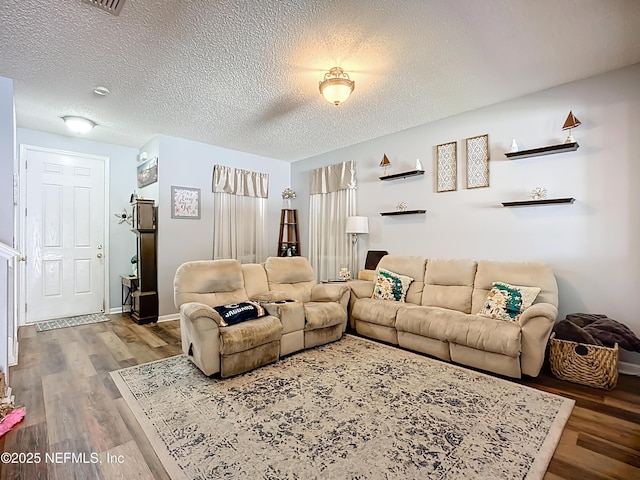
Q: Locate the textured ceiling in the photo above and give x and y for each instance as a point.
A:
(244, 74)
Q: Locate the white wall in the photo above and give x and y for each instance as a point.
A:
(186, 163)
(7, 157)
(122, 182)
(593, 245)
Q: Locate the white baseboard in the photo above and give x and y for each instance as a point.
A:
(162, 318)
(168, 318)
(118, 310)
(627, 368)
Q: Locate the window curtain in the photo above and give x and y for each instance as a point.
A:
(332, 200)
(240, 214)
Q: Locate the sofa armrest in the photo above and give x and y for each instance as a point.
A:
(328, 292)
(545, 310)
(361, 289)
(195, 310)
(536, 323)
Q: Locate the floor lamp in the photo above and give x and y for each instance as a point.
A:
(356, 226)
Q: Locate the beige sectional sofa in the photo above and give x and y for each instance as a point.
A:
(439, 317)
(300, 313)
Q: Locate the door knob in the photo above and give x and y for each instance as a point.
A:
(99, 255)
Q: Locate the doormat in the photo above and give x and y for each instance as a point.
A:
(71, 321)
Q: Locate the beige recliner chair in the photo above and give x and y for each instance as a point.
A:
(198, 287)
(325, 305)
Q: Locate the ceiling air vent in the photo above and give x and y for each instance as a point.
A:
(111, 6)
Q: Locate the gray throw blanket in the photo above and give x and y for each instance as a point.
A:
(596, 329)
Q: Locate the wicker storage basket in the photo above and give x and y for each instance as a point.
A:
(584, 364)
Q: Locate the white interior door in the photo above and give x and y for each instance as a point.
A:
(64, 227)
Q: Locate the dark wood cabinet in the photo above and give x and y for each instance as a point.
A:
(144, 308)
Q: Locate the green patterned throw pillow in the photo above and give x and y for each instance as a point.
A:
(390, 286)
(507, 302)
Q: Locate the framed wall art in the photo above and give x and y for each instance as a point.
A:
(148, 172)
(185, 203)
(447, 167)
(478, 161)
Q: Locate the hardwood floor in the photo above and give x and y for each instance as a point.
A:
(73, 407)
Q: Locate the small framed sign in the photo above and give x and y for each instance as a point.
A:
(185, 202)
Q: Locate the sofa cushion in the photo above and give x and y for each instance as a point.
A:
(292, 275)
(246, 335)
(411, 266)
(380, 312)
(485, 334)
(431, 322)
(255, 279)
(212, 282)
(389, 285)
(449, 284)
(507, 302)
(530, 274)
(323, 314)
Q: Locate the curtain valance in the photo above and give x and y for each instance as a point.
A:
(236, 181)
(333, 178)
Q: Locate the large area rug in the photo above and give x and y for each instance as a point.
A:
(354, 409)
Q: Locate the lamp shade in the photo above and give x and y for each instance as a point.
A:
(357, 225)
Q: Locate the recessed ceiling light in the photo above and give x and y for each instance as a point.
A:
(78, 124)
(102, 91)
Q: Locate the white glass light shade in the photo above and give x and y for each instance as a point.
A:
(78, 124)
(336, 86)
(357, 225)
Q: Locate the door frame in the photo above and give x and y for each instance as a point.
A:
(22, 240)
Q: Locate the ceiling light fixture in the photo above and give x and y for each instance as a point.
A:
(101, 91)
(78, 124)
(336, 86)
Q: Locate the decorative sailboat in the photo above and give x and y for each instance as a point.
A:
(385, 163)
(569, 123)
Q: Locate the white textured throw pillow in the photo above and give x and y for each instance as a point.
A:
(507, 302)
(389, 285)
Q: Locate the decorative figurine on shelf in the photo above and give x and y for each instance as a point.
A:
(514, 146)
(287, 196)
(344, 274)
(569, 123)
(418, 164)
(134, 265)
(539, 193)
(401, 206)
(384, 164)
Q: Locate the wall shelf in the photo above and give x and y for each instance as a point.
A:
(404, 212)
(396, 176)
(546, 201)
(538, 152)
